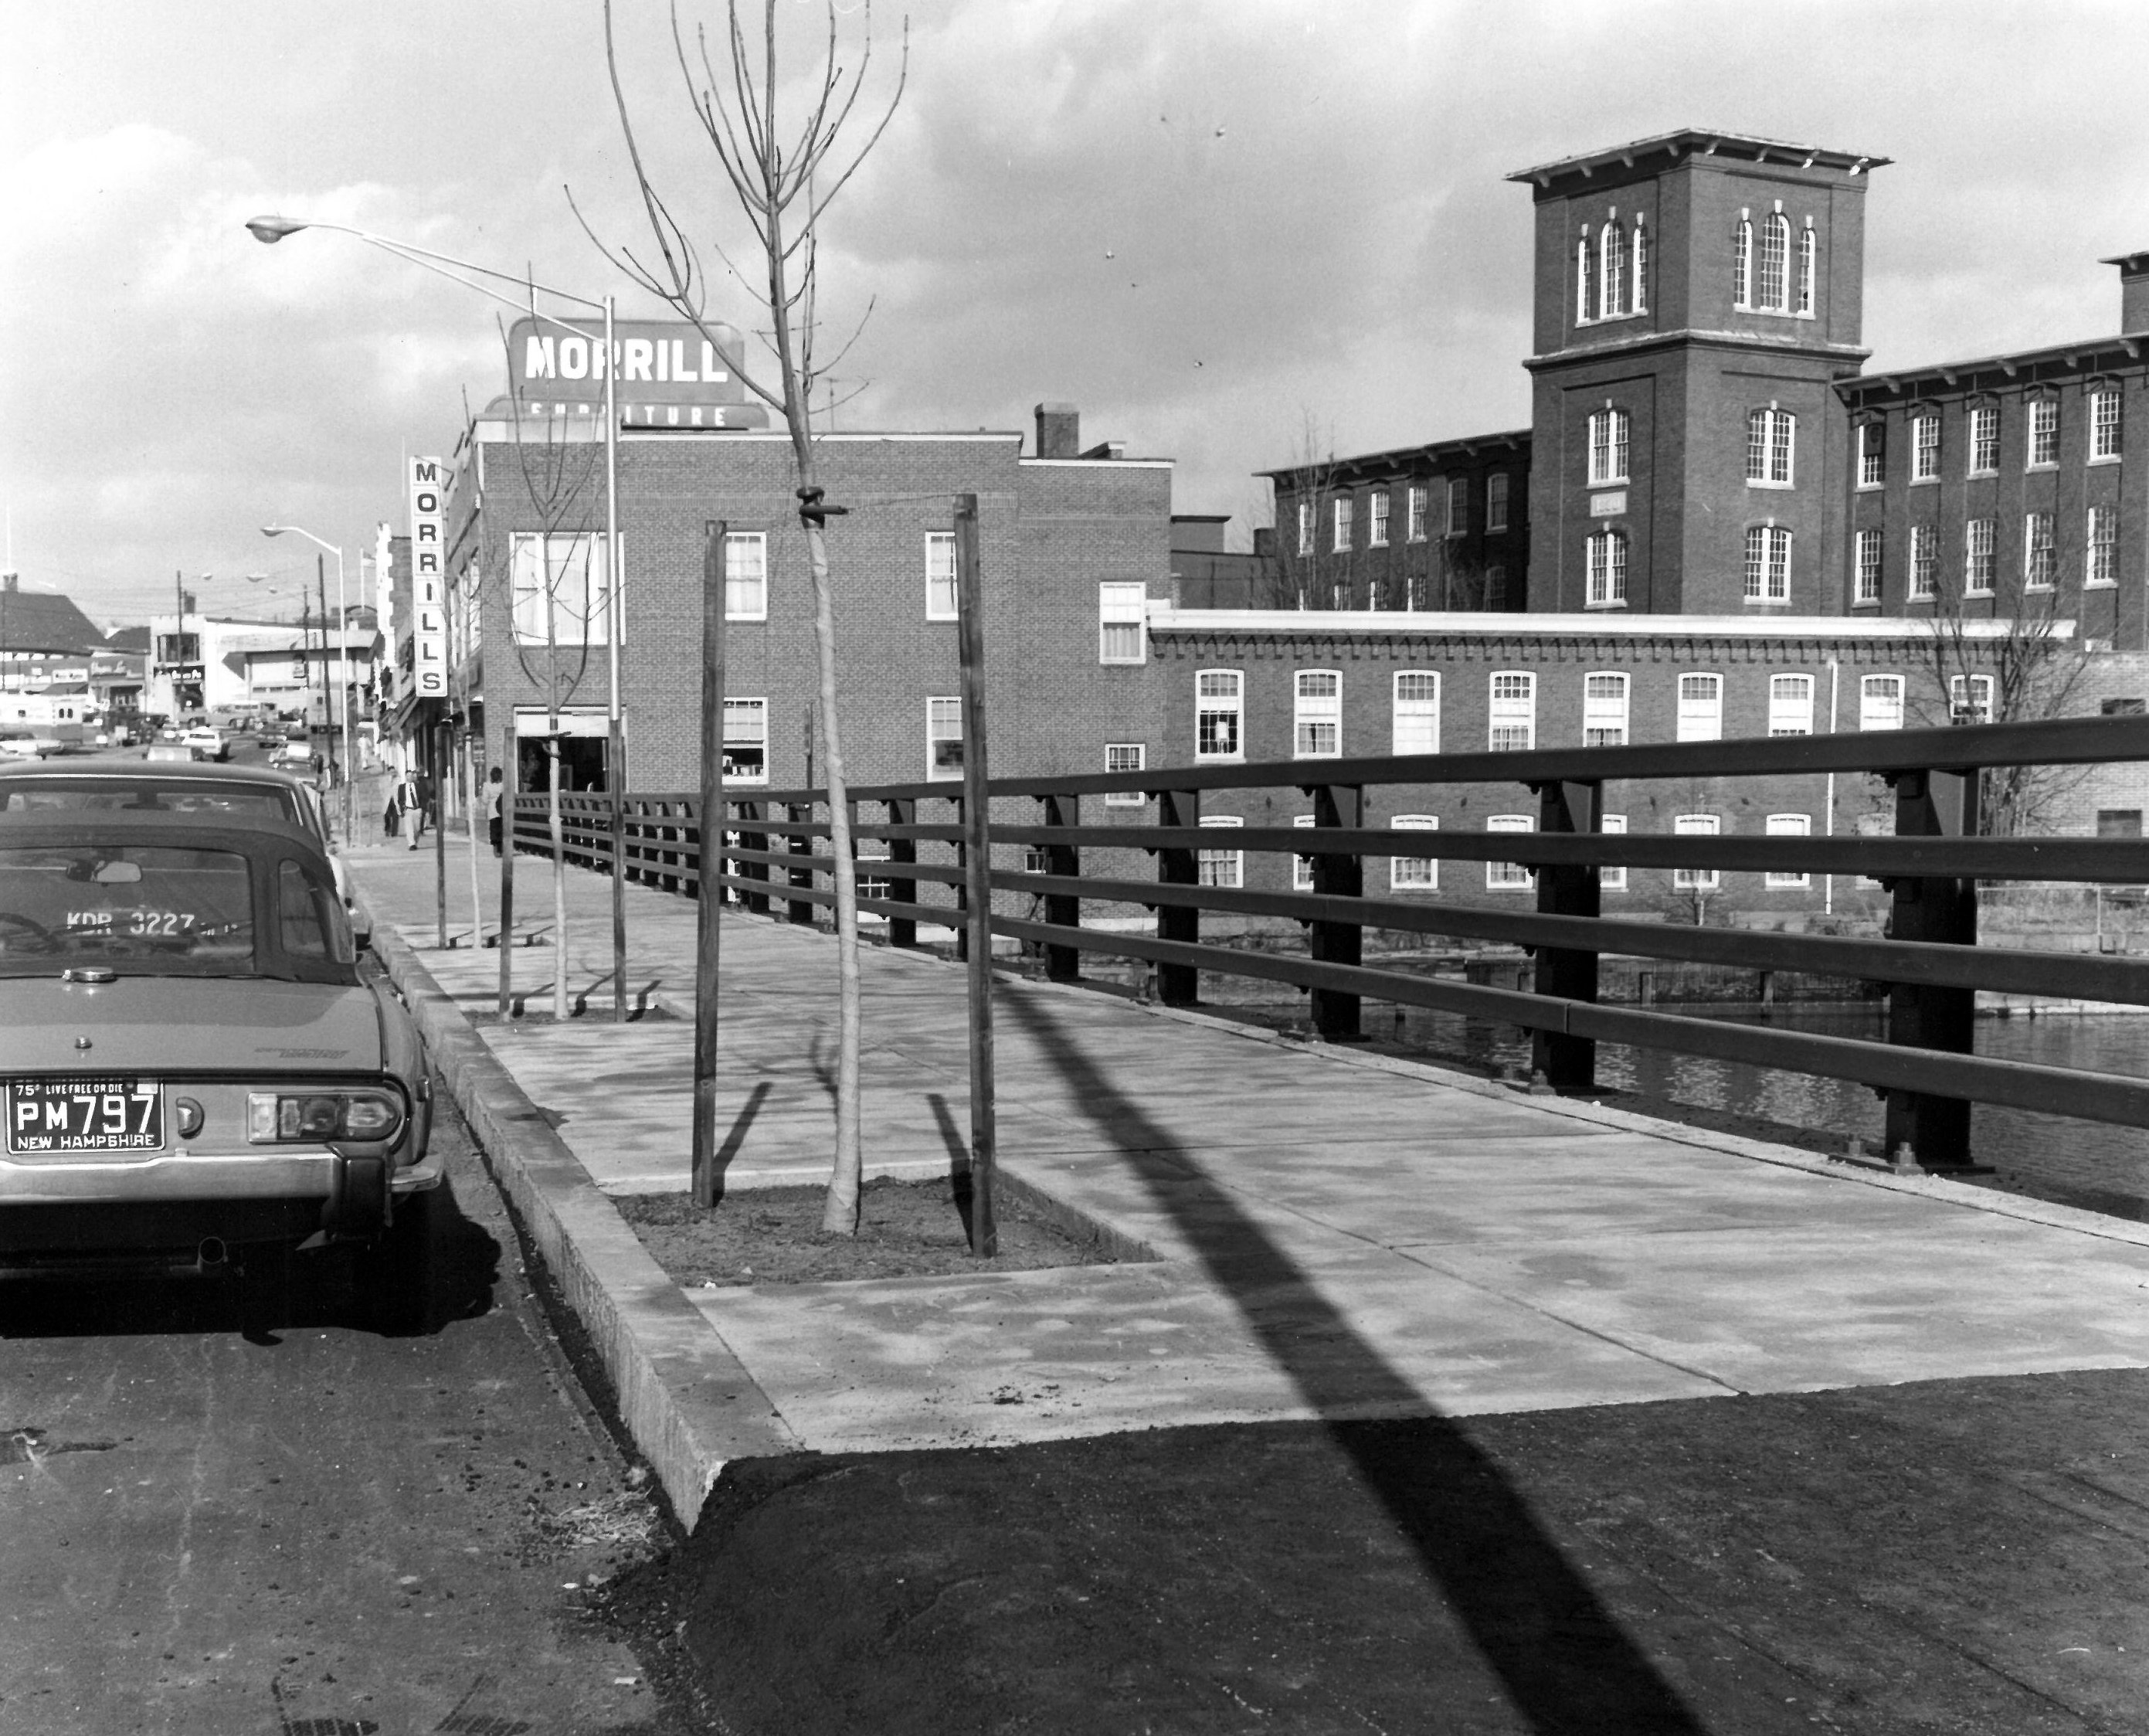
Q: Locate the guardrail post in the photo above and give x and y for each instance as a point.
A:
(1933, 804)
(1334, 1013)
(1569, 1064)
(800, 912)
(1178, 985)
(1063, 964)
(903, 930)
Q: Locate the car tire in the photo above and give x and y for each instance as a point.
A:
(395, 1278)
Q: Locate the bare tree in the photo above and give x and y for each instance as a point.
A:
(782, 185)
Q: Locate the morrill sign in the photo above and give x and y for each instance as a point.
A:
(670, 374)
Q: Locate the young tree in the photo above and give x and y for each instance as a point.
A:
(781, 184)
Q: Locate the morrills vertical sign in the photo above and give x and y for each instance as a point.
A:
(429, 614)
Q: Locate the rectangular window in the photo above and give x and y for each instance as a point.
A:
(559, 587)
(1121, 623)
(1767, 563)
(2104, 424)
(1983, 439)
(1695, 825)
(1771, 447)
(1305, 528)
(1869, 566)
(941, 603)
(1317, 731)
(1604, 711)
(1872, 454)
(1925, 449)
(1496, 586)
(1508, 876)
(1219, 700)
(1700, 708)
(1514, 711)
(1415, 505)
(1378, 530)
(746, 740)
(1925, 559)
(1458, 505)
(1611, 877)
(1977, 558)
(1341, 509)
(1414, 873)
(1787, 825)
(1496, 503)
(1790, 705)
(1221, 868)
(1302, 867)
(1607, 446)
(1126, 757)
(1970, 699)
(2102, 566)
(2040, 559)
(943, 738)
(1417, 727)
(2044, 432)
(1880, 702)
(2119, 823)
(746, 575)
(871, 854)
(1605, 569)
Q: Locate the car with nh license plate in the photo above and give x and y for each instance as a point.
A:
(194, 1071)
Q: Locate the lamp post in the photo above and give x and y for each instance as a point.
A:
(343, 668)
(270, 230)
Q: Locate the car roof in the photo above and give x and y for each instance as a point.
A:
(192, 771)
(156, 826)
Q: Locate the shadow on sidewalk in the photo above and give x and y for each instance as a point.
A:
(1565, 1663)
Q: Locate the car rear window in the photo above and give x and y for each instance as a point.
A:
(235, 800)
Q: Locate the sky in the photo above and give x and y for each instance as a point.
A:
(1217, 226)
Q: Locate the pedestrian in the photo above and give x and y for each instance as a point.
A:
(499, 802)
(409, 800)
(391, 817)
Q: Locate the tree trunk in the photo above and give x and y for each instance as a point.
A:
(559, 887)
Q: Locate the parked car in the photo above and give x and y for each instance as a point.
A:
(296, 751)
(195, 1072)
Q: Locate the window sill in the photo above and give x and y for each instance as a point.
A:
(734, 620)
(1122, 663)
(1869, 488)
(1980, 476)
(2032, 586)
(2100, 584)
(1779, 487)
(1620, 481)
(1767, 602)
(2032, 469)
(1617, 602)
(1925, 482)
(1378, 542)
(2109, 458)
(1968, 593)
(951, 619)
(1219, 759)
(1869, 602)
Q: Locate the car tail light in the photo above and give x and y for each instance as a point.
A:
(312, 1117)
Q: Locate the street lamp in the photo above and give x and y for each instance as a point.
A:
(343, 668)
(269, 230)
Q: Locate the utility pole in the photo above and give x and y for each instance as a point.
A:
(328, 704)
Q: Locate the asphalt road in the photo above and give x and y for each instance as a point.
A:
(226, 1509)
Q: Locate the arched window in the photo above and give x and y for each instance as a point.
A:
(1775, 264)
(1607, 566)
(1742, 264)
(1768, 564)
(1640, 299)
(1611, 265)
(1607, 446)
(1809, 248)
(1584, 279)
(1771, 435)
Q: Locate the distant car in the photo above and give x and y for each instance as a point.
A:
(167, 752)
(192, 1068)
(30, 747)
(296, 751)
(211, 742)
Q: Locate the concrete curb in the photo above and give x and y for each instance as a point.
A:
(688, 1403)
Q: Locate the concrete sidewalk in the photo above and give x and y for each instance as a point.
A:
(1335, 1235)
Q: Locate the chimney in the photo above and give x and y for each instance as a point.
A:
(1058, 430)
(2133, 292)
(11, 582)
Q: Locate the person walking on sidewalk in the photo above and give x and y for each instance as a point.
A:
(413, 796)
(498, 791)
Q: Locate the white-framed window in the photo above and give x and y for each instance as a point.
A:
(558, 580)
(1613, 877)
(1641, 248)
(1872, 454)
(1771, 435)
(2105, 426)
(746, 741)
(1316, 722)
(1377, 532)
(1880, 702)
(1604, 710)
(1767, 563)
(1585, 280)
(1969, 698)
(1416, 714)
(1700, 708)
(1221, 867)
(1458, 505)
(1771, 287)
(1340, 522)
(1808, 258)
(1925, 448)
(1868, 547)
(1414, 505)
(1925, 559)
(1126, 757)
(2041, 554)
(1742, 263)
(1612, 270)
(1122, 623)
(1978, 564)
(1605, 568)
(2044, 448)
(1508, 876)
(746, 575)
(871, 854)
(1414, 873)
(1496, 503)
(941, 601)
(1695, 825)
(1306, 527)
(1790, 705)
(1787, 825)
(2101, 537)
(1513, 711)
(1608, 445)
(943, 738)
(1983, 439)
(1219, 697)
(1302, 867)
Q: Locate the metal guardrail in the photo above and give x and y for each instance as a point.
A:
(1930, 960)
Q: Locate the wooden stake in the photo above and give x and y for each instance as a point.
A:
(977, 862)
(709, 876)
